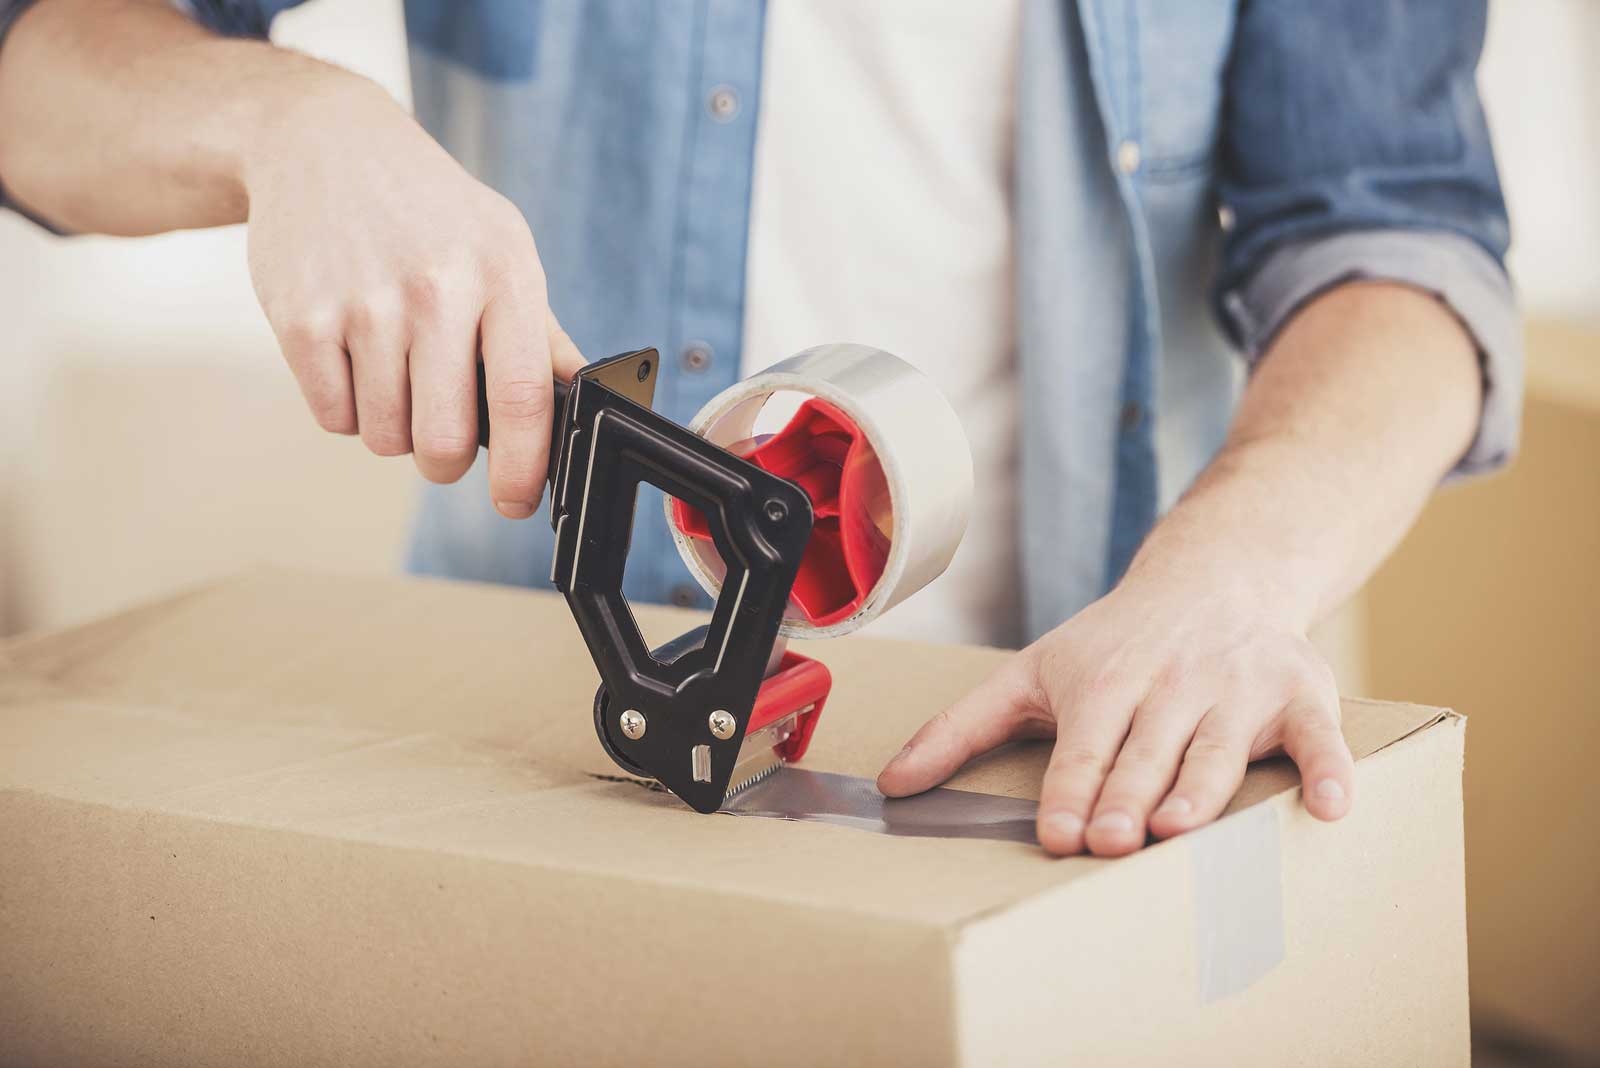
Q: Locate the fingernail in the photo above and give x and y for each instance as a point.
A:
(1114, 822)
(1330, 790)
(514, 509)
(1175, 806)
(1065, 824)
(905, 750)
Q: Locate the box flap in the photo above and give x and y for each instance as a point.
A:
(456, 718)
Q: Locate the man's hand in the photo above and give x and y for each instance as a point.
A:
(1158, 695)
(384, 269)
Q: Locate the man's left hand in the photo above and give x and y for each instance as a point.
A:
(1158, 696)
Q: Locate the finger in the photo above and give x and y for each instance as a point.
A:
(1086, 744)
(1213, 767)
(313, 351)
(516, 364)
(444, 408)
(565, 359)
(376, 339)
(1001, 709)
(1144, 771)
(1312, 738)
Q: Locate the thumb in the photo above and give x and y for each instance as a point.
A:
(1003, 708)
(565, 359)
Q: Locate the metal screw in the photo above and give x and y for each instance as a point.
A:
(777, 511)
(633, 724)
(722, 724)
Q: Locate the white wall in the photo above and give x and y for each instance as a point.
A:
(1541, 84)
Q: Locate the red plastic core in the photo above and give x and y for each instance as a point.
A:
(824, 451)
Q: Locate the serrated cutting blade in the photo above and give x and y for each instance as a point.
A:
(762, 752)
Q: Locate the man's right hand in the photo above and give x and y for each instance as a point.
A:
(385, 270)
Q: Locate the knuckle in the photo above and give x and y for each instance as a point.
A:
(1322, 681)
(1211, 751)
(445, 445)
(384, 433)
(1140, 756)
(509, 260)
(519, 483)
(425, 292)
(520, 400)
(324, 393)
(368, 316)
(1105, 685)
(361, 317)
(1313, 727)
(333, 415)
(1026, 680)
(1079, 760)
(949, 726)
(1235, 674)
(510, 229)
(385, 442)
(1175, 675)
(307, 330)
(1308, 674)
(1055, 660)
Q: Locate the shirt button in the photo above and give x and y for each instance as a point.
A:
(1128, 157)
(723, 103)
(684, 595)
(1131, 416)
(696, 356)
(1225, 218)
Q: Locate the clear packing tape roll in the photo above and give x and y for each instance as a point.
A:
(884, 459)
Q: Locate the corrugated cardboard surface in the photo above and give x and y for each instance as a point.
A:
(296, 818)
(1493, 605)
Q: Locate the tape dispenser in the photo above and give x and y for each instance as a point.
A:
(807, 500)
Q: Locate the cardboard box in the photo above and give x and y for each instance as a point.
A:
(1492, 604)
(310, 820)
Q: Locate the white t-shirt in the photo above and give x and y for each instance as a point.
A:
(882, 214)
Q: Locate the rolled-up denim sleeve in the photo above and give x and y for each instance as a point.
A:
(1355, 148)
(236, 18)
(10, 11)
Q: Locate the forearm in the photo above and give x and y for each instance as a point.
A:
(124, 117)
(1366, 399)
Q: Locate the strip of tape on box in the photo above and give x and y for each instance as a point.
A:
(1237, 866)
(850, 801)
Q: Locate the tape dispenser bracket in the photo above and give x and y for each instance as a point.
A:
(666, 714)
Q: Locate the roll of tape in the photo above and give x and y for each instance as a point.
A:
(885, 461)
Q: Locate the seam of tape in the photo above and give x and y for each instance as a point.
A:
(1237, 865)
(849, 801)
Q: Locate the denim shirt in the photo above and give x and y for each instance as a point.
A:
(1188, 174)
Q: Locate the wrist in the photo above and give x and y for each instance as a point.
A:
(1208, 575)
(303, 109)
(1232, 542)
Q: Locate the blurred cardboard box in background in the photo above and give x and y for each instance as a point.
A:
(1492, 606)
(146, 476)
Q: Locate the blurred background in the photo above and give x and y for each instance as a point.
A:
(150, 438)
